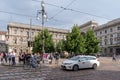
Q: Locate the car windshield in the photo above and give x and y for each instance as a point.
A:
(74, 58)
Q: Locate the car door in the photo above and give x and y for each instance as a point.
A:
(87, 62)
(90, 61)
(82, 62)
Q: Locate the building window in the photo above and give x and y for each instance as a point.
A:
(100, 41)
(111, 41)
(111, 50)
(105, 50)
(100, 32)
(111, 29)
(105, 41)
(15, 40)
(21, 39)
(93, 27)
(32, 33)
(105, 31)
(27, 34)
(56, 35)
(105, 36)
(15, 31)
(21, 32)
(118, 34)
(118, 27)
(111, 35)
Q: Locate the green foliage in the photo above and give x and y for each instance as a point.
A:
(59, 46)
(37, 44)
(48, 42)
(75, 41)
(91, 42)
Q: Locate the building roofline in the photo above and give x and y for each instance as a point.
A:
(88, 23)
(23, 25)
(108, 24)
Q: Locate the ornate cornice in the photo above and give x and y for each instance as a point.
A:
(21, 25)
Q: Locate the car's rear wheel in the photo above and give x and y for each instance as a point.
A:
(75, 67)
(94, 66)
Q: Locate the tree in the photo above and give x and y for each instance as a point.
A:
(59, 46)
(37, 43)
(48, 42)
(75, 42)
(92, 43)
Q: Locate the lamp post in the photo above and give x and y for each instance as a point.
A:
(43, 19)
(30, 36)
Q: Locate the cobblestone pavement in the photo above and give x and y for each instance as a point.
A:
(108, 70)
(18, 73)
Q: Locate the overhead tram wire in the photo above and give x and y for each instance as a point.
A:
(63, 8)
(16, 14)
(87, 13)
(73, 10)
(77, 11)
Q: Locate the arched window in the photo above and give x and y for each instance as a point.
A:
(21, 39)
(15, 40)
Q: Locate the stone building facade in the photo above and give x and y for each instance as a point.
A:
(88, 25)
(3, 41)
(19, 34)
(108, 33)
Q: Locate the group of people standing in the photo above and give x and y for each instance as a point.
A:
(8, 58)
(25, 57)
(29, 59)
(50, 57)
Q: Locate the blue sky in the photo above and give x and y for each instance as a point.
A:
(101, 11)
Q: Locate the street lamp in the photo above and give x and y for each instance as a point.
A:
(44, 16)
(30, 36)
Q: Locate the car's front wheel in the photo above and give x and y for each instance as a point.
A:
(75, 67)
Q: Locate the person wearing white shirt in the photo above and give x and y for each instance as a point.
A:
(13, 58)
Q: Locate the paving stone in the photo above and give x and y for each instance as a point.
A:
(18, 73)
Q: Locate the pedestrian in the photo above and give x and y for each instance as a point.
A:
(13, 58)
(9, 58)
(50, 58)
(57, 58)
(1, 55)
(5, 57)
(114, 57)
(33, 60)
(21, 56)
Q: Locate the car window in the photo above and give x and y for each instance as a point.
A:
(75, 58)
(91, 58)
(83, 58)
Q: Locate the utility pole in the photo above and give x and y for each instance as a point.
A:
(43, 19)
(30, 36)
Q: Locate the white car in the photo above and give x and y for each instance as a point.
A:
(78, 62)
